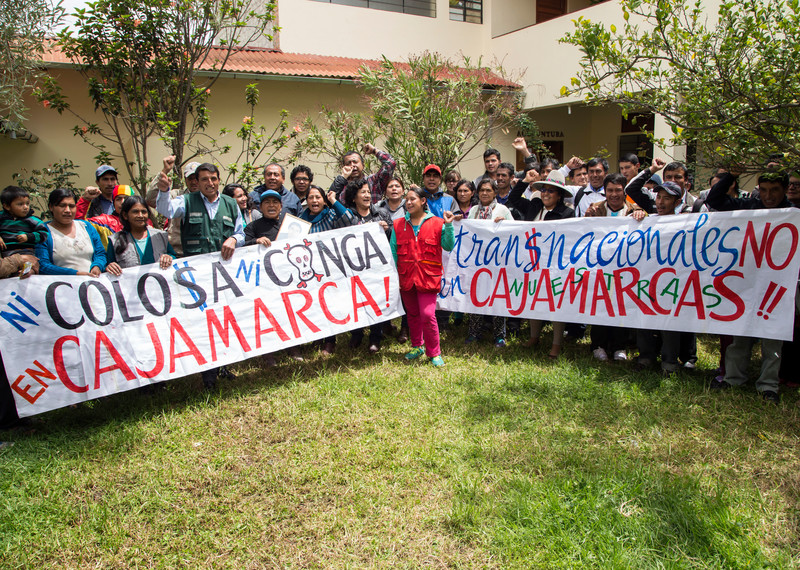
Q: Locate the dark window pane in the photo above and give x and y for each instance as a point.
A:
(466, 11)
(415, 7)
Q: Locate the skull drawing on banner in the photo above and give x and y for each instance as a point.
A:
(302, 257)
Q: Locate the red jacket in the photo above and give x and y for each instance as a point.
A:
(419, 257)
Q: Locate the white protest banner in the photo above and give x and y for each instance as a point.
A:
(70, 339)
(727, 272)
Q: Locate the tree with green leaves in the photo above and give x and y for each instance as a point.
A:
(429, 110)
(257, 144)
(331, 133)
(23, 27)
(727, 82)
(142, 61)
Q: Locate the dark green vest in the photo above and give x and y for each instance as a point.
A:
(199, 234)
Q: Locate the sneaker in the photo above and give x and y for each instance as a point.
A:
(620, 355)
(470, 339)
(500, 343)
(719, 384)
(771, 397)
(328, 349)
(414, 353)
(374, 348)
(437, 361)
(689, 365)
(600, 354)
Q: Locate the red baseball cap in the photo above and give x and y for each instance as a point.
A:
(432, 167)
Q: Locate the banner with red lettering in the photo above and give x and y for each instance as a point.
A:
(71, 339)
(731, 273)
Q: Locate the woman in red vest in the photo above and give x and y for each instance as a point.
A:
(417, 243)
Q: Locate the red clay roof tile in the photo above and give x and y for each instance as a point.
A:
(268, 61)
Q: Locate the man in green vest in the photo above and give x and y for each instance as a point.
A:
(210, 222)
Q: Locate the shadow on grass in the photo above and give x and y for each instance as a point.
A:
(603, 466)
(98, 426)
(582, 478)
(610, 516)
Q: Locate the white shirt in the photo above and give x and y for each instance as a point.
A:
(73, 253)
(574, 189)
(590, 196)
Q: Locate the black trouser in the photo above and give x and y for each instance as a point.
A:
(688, 348)
(375, 335)
(610, 339)
(665, 343)
(210, 377)
(575, 330)
(790, 356)
(443, 320)
(8, 409)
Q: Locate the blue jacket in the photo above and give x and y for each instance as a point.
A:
(44, 251)
(440, 202)
(329, 218)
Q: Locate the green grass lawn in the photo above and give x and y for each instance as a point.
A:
(501, 459)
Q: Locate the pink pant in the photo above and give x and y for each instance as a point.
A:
(421, 312)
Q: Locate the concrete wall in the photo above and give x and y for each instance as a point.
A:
(309, 26)
(586, 130)
(548, 65)
(227, 106)
(511, 15)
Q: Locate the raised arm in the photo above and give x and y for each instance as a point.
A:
(635, 187)
(718, 197)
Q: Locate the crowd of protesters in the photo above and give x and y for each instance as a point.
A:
(110, 228)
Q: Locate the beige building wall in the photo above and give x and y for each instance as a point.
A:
(510, 15)
(548, 65)
(227, 108)
(227, 105)
(310, 26)
(586, 130)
